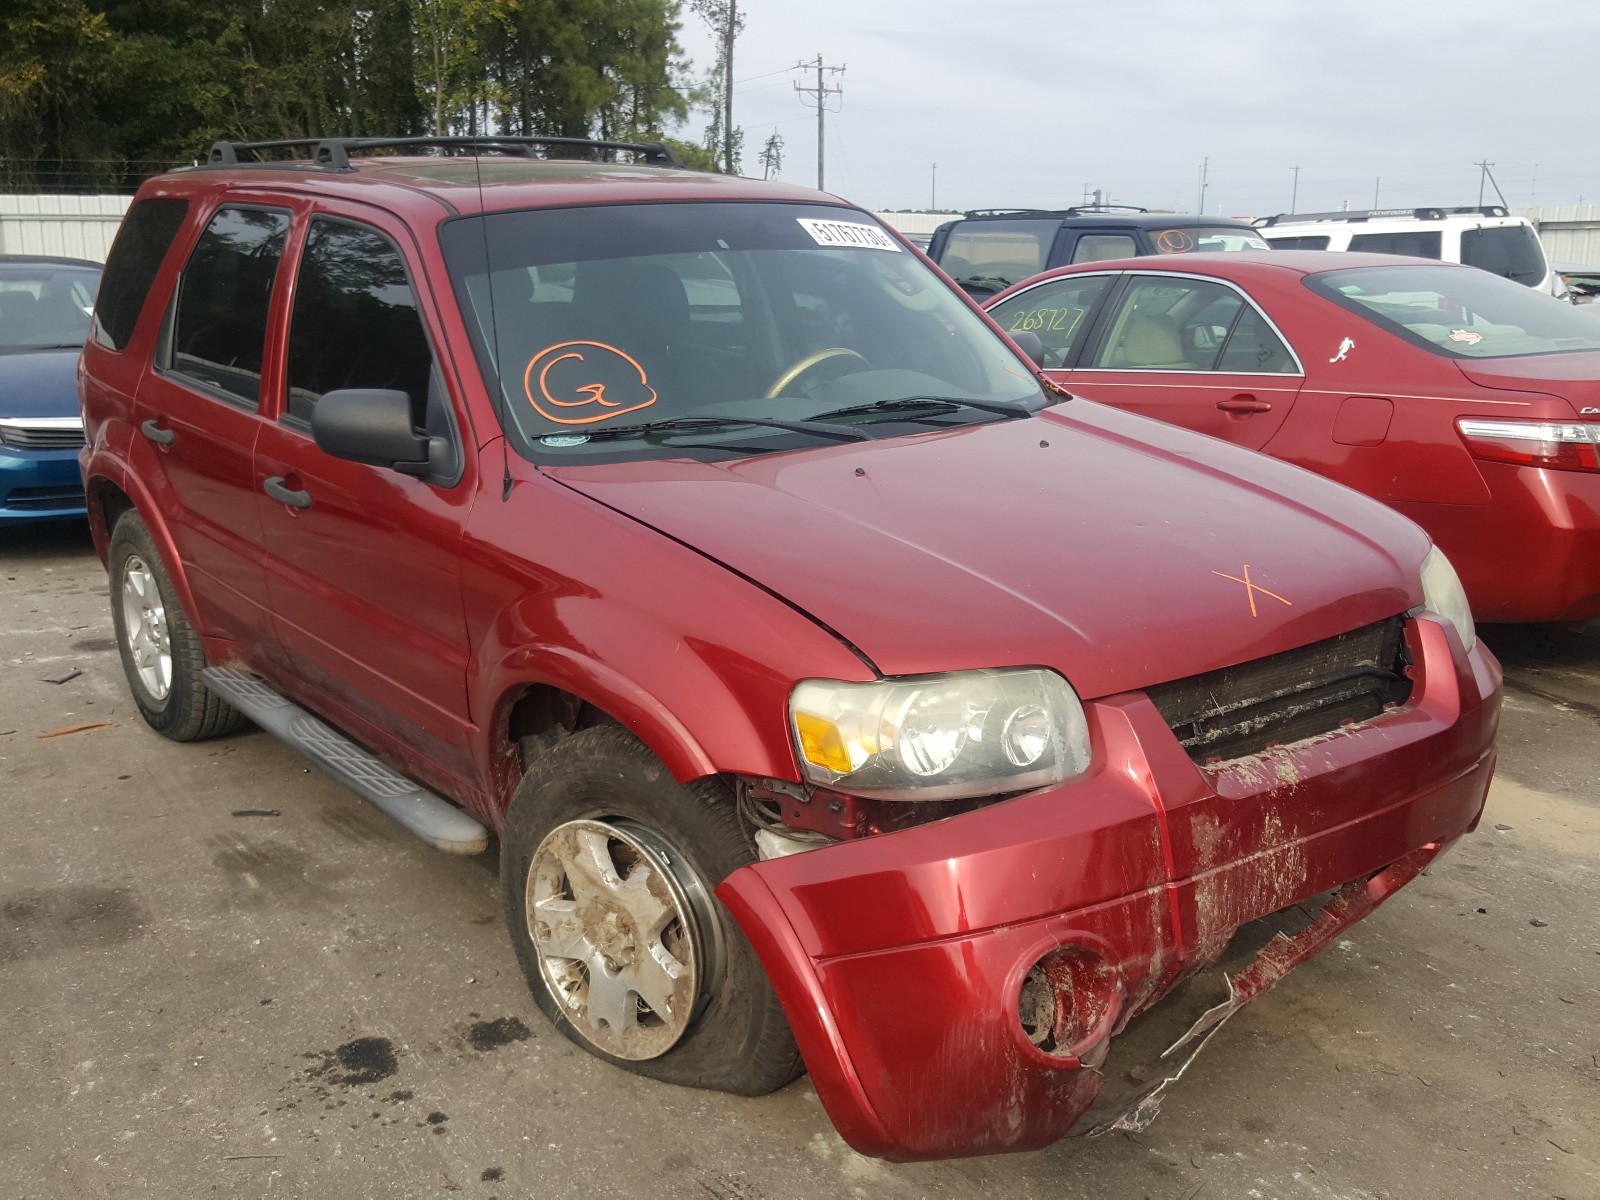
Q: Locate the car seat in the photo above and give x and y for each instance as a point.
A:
(1150, 343)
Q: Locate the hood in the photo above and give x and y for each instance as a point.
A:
(1573, 376)
(1085, 539)
(39, 383)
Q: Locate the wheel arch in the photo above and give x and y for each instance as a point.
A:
(557, 690)
(109, 500)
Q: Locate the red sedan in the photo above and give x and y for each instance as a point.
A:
(1467, 402)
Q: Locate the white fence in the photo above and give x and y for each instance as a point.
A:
(66, 226)
(1570, 232)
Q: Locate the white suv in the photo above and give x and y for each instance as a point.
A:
(1486, 237)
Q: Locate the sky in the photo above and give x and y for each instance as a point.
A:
(1024, 103)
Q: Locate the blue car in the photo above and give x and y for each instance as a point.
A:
(45, 305)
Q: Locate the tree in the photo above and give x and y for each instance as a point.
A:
(723, 137)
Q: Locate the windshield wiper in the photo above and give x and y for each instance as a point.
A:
(672, 425)
(998, 407)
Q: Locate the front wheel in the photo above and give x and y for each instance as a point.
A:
(608, 866)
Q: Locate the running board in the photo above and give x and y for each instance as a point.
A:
(434, 820)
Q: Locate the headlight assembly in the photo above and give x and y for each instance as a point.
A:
(1442, 592)
(940, 737)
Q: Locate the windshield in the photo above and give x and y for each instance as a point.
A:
(1511, 251)
(1460, 311)
(749, 327)
(45, 305)
(1194, 239)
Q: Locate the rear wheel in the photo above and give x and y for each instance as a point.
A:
(608, 866)
(162, 655)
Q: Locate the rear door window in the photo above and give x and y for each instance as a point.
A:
(355, 322)
(147, 233)
(1419, 243)
(1306, 241)
(219, 331)
(1059, 312)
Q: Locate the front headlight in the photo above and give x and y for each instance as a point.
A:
(940, 737)
(1442, 592)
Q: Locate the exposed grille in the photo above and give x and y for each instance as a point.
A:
(1290, 696)
(28, 435)
(43, 499)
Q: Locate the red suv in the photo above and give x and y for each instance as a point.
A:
(834, 686)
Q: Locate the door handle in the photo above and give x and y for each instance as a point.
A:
(275, 488)
(1244, 404)
(158, 435)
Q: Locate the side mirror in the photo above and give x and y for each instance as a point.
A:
(370, 425)
(1028, 342)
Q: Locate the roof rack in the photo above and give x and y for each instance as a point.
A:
(334, 153)
(1430, 213)
(1075, 211)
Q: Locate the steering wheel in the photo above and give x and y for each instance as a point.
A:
(783, 382)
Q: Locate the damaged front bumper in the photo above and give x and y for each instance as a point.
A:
(911, 965)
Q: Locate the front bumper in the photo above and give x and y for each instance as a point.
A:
(900, 959)
(39, 485)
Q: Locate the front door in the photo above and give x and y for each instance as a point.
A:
(1193, 352)
(363, 563)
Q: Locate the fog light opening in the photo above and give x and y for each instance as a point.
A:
(1066, 1002)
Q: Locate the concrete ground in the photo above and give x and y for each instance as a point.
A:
(222, 975)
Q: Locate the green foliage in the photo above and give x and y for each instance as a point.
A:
(98, 93)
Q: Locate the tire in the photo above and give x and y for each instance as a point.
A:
(175, 702)
(601, 788)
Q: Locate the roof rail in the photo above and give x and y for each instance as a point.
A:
(334, 153)
(1426, 213)
(1074, 211)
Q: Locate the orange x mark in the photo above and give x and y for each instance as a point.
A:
(1251, 588)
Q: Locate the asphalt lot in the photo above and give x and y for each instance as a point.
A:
(223, 975)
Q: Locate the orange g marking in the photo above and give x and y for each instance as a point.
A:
(578, 376)
(1251, 588)
(1174, 241)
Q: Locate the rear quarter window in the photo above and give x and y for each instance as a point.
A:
(147, 233)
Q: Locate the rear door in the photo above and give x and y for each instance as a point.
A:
(363, 562)
(200, 407)
(1192, 351)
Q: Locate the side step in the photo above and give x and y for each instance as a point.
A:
(436, 821)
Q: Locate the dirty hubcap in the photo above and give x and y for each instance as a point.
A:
(616, 935)
(144, 623)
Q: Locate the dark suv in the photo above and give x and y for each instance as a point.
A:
(834, 685)
(988, 250)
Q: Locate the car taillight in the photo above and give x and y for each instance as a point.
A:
(1559, 445)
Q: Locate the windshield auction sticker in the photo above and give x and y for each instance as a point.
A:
(848, 234)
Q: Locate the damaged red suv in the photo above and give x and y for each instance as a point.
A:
(840, 693)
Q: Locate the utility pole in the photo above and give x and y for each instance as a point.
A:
(1377, 181)
(1492, 183)
(819, 96)
(1483, 168)
(1205, 175)
(1294, 196)
(729, 32)
(933, 189)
